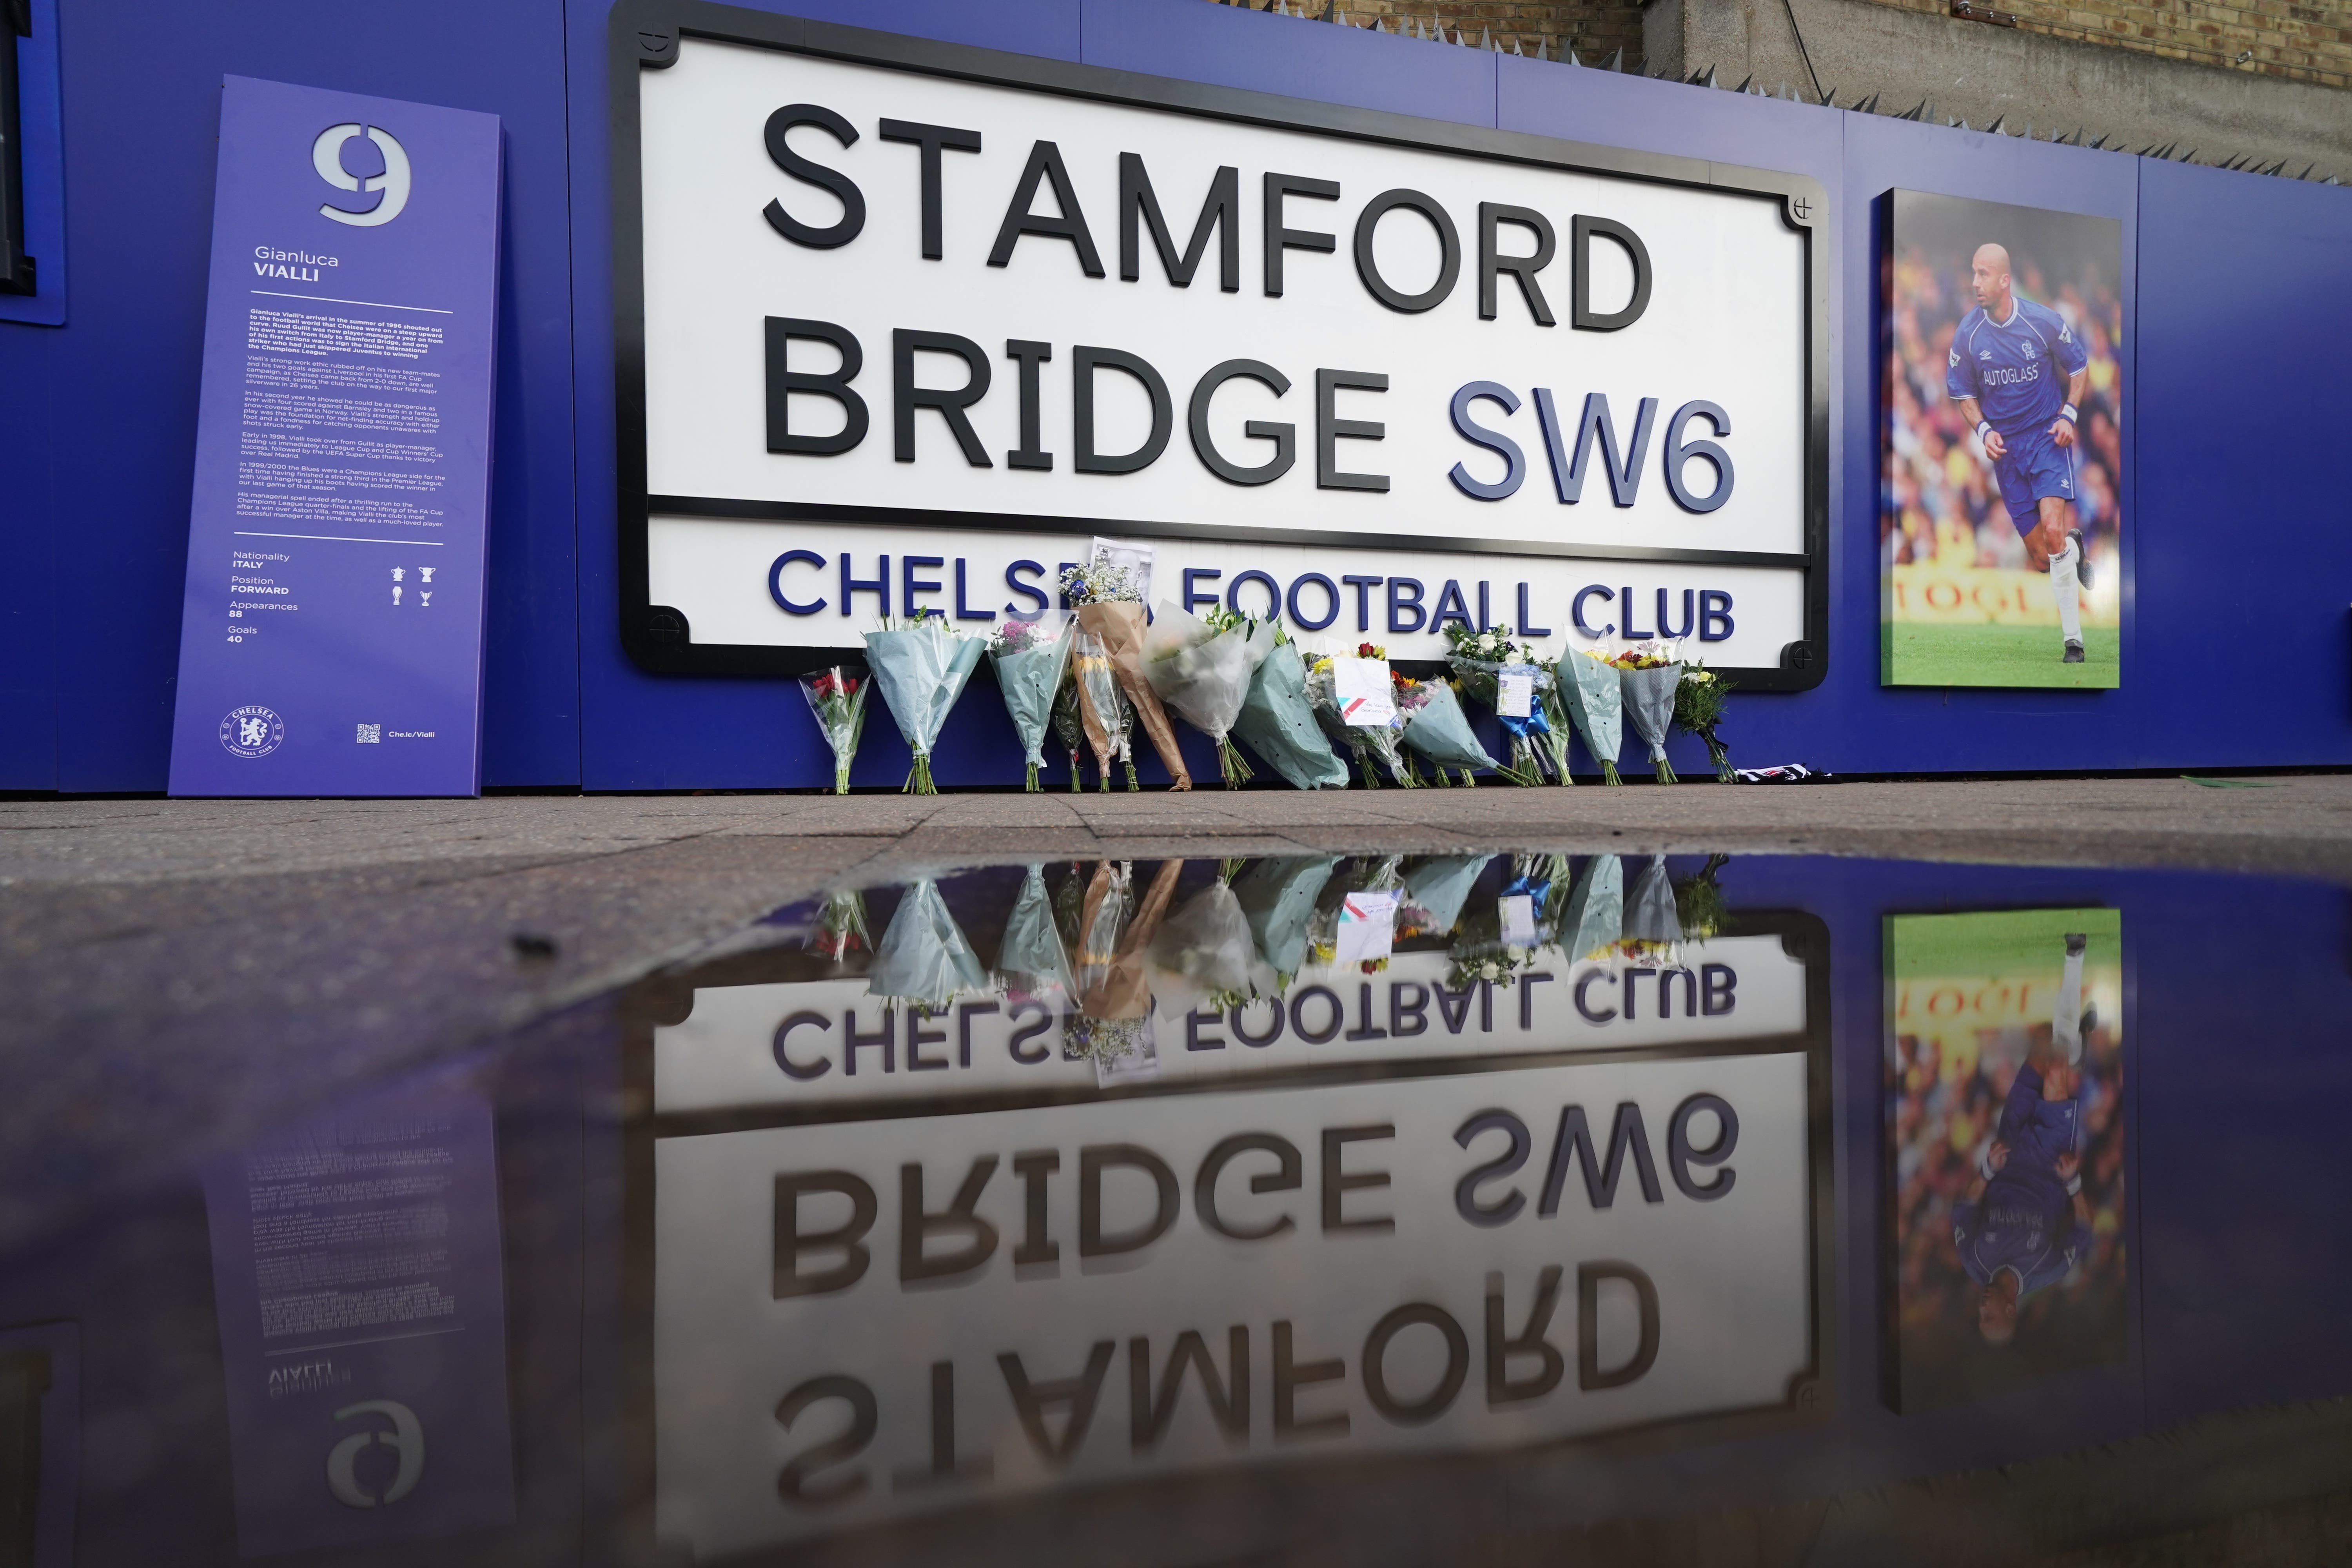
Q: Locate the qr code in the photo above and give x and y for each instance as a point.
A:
(371, 735)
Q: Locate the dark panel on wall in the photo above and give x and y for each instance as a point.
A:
(2245, 329)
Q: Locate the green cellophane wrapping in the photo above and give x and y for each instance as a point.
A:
(924, 958)
(1441, 732)
(921, 672)
(1029, 681)
(1596, 702)
(1277, 722)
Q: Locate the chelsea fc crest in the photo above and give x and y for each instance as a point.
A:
(251, 732)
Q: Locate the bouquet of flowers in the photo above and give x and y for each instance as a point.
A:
(837, 698)
(1203, 957)
(1069, 723)
(841, 927)
(924, 957)
(1595, 696)
(1277, 720)
(1436, 888)
(1103, 709)
(1555, 737)
(1202, 668)
(1364, 742)
(1374, 874)
(1028, 664)
(1109, 601)
(1436, 727)
(1698, 707)
(1484, 663)
(921, 668)
(1699, 902)
(1595, 917)
(1278, 897)
(1653, 925)
(1031, 959)
(1114, 1017)
(1650, 671)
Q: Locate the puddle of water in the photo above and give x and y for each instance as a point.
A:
(1338, 1208)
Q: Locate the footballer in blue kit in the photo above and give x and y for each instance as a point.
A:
(2009, 357)
(2024, 1223)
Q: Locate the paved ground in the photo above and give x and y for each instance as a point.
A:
(145, 945)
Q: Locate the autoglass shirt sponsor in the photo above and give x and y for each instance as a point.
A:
(2016, 369)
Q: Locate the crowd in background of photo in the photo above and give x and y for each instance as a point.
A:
(1938, 500)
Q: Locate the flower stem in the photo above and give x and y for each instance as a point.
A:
(1031, 786)
(1443, 782)
(1129, 763)
(1073, 772)
(1229, 764)
(1721, 758)
(1469, 780)
(1665, 771)
(1609, 773)
(840, 780)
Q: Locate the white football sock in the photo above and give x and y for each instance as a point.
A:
(2067, 590)
(2066, 1020)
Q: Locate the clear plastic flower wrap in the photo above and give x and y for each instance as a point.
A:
(1103, 710)
(924, 957)
(1557, 725)
(1699, 701)
(1113, 1018)
(1649, 704)
(921, 668)
(1029, 657)
(1120, 626)
(1651, 917)
(1202, 957)
(1441, 732)
(1596, 701)
(1277, 720)
(1202, 668)
(837, 698)
(1069, 723)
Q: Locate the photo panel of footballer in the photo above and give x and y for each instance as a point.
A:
(2001, 526)
(2005, 1149)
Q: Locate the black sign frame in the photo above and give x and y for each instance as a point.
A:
(648, 35)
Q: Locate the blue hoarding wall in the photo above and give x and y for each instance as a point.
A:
(2236, 633)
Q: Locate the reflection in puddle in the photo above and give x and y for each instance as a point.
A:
(1223, 1164)
(1378, 1208)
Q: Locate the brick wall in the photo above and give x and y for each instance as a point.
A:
(2304, 42)
(1591, 27)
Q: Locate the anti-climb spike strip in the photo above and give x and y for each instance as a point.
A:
(1995, 128)
(1571, 57)
(1616, 60)
(1710, 79)
(1868, 105)
(1746, 82)
(1486, 40)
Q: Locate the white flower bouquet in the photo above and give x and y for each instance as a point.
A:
(1202, 668)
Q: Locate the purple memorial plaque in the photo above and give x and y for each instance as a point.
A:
(357, 1273)
(330, 636)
